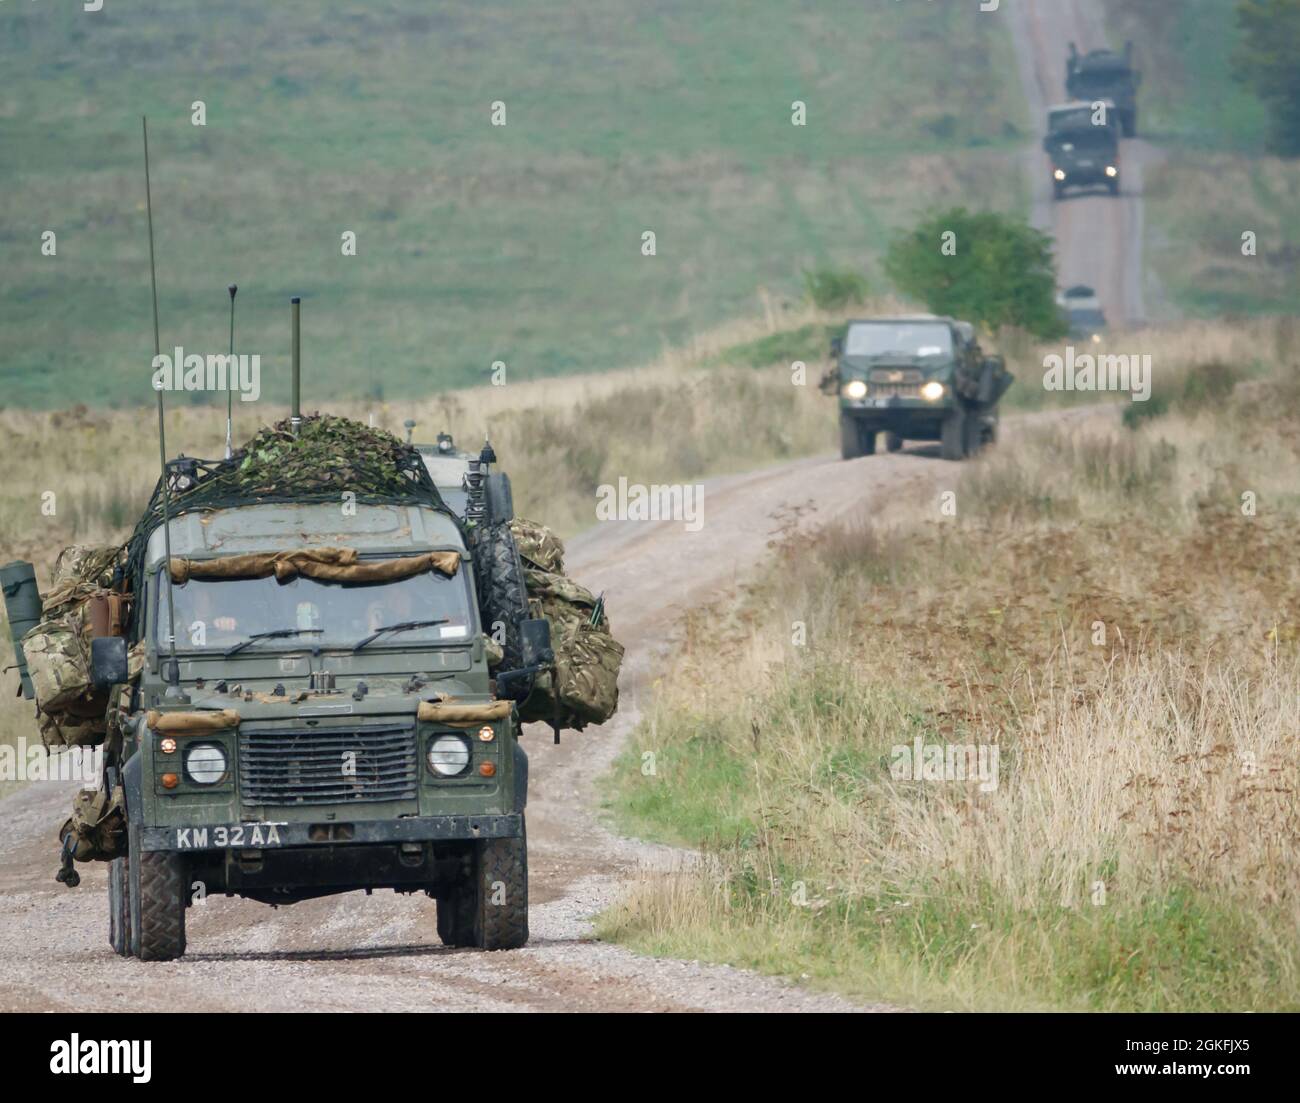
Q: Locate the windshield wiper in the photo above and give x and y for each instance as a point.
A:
(404, 626)
(278, 633)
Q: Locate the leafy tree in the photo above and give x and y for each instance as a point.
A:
(833, 289)
(980, 266)
(1268, 62)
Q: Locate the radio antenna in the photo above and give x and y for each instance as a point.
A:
(171, 671)
(230, 367)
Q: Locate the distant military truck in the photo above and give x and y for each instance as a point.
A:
(1082, 312)
(915, 377)
(1105, 75)
(1082, 145)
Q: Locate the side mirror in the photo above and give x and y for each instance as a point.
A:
(108, 666)
(837, 347)
(535, 642)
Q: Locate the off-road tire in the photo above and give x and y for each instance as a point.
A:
(119, 907)
(500, 893)
(501, 593)
(456, 916)
(157, 880)
(893, 442)
(973, 431)
(855, 440)
(952, 437)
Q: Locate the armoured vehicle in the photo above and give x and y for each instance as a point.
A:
(1081, 309)
(1082, 145)
(1105, 75)
(915, 377)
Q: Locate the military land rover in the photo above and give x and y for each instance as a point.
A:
(915, 377)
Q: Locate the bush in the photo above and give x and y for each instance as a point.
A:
(1266, 63)
(834, 289)
(998, 272)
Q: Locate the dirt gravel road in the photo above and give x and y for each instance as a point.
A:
(1099, 238)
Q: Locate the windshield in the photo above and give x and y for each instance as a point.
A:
(908, 339)
(218, 614)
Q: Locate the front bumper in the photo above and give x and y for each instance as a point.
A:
(273, 835)
(1086, 177)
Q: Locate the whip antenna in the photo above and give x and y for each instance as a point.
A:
(230, 367)
(171, 670)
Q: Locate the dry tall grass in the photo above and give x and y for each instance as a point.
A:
(1106, 614)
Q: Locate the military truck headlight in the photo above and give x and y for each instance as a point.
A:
(1112, 171)
(855, 388)
(932, 391)
(448, 755)
(1059, 174)
(205, 764)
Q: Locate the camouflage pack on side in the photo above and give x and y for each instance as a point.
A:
(70, 712)
(587, 657)
(97, 825)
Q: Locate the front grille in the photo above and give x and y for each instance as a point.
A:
(281, 766)
(895, 390)
(896, 382)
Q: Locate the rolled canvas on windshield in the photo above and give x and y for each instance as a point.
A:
(324, 564)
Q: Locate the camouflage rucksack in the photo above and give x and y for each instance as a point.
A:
(97, 826)
(587, 657)
(70, 712)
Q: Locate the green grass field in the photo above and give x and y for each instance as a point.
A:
(474, 242)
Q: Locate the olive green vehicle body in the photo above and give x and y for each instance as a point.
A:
(416, 830)
(887, 392)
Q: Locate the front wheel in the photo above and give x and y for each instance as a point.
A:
(855, 439)
(500, 893)
(157, 903)
(119, 907)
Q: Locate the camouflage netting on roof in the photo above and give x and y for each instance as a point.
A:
(328, 457)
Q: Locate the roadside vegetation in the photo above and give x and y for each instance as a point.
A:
(1227, 165)
(1115, 609)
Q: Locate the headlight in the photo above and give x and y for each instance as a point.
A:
(1096, 338)
(932, 391)
(1111, 170)
(855, 388)
(1059, 174)
(448, 755)
(205, 764)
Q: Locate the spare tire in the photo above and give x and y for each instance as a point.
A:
(502, 597)
(500, 499)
